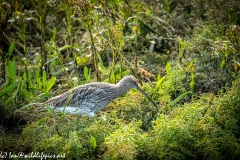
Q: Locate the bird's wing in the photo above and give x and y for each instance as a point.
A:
(90, 96)
(87, 96)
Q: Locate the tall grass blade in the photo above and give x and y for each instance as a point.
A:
(8, 89)
(53, 112)
(180, 97)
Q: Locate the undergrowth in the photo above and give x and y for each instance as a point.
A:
(205, 128)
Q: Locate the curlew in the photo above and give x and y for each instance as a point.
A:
(93, 97)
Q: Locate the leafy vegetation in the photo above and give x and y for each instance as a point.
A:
(185, 55)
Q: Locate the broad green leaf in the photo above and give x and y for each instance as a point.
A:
(94, 143)
(8, 89)
(180, 97)
(26, 93)
(87, 74)
(25, 77)
(39, 83)
(12, 70)
(50, 83)
(160, 80)
(10, 49)
(112, 77)
(223, 63)
(101, 66)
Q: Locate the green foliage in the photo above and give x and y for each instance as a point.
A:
(210, 56)
(171, 84)
(50, 84)
(87, 74)
(19, 86)
(192, 82)
(194, 130)
(7, 88)
(12, 70)
(167, 6)
(207, 128)
(94, 143)
(180, 97)
(57, 59)
(122, 144)
(10, 49)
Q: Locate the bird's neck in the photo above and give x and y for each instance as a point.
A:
(120, 89)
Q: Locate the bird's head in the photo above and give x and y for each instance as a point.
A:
(131, 82)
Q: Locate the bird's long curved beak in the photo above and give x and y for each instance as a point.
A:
(146, 95)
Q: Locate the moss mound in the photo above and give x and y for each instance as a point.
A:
(206, 128)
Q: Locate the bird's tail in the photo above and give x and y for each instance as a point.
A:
(40, 105)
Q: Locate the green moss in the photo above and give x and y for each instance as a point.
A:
(122, 144)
